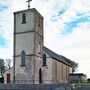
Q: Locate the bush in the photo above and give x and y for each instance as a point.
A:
(88, 80)
(74, 81)
(1, 79)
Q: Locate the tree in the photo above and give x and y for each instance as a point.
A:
(1, 66)
(75, 66)
(88, 80)
(1, 79)
(8, 63)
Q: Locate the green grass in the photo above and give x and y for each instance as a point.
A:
(85, 83)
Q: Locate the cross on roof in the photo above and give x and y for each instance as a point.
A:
(28, 3)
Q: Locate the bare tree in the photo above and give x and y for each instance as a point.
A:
(8, 63)
(1, 66)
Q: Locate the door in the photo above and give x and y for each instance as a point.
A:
(40, 75)
(8, 78)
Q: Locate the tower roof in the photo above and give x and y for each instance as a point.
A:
(29, 10)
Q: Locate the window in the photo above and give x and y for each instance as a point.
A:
(44, 60)
(23, 18)
(23, 58)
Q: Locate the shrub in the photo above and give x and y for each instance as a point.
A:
(1, 79)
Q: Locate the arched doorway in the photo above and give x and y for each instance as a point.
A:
(40, 75)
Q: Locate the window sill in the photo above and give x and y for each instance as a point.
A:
(23, 22)
(22, 65)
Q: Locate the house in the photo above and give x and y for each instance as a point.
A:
(77, 77)
(33, 63)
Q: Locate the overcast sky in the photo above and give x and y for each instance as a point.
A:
(66, 28)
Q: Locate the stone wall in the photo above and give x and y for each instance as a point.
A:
(34, 87)
(43, 87)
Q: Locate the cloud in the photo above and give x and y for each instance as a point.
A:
(2, 7)
(73, 24)
(66, 27)
(6, 29)
(68, 33)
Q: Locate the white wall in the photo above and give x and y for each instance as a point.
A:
(10, 71)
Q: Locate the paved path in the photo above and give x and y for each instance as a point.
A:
(84, 87)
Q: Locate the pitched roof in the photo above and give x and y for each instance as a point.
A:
(59, 57)
(77, 74)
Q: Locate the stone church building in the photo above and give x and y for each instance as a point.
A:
(33, 63)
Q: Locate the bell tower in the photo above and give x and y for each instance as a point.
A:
(28, 44)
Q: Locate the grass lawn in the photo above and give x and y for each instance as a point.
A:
(85, 83)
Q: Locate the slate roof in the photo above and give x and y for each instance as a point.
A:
(60, 57)
(77, 74)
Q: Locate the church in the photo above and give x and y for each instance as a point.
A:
(33, 63)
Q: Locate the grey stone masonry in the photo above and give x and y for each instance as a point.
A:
(34, 87)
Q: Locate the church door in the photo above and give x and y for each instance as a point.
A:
(40, 76)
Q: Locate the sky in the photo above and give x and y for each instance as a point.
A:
(66, 28)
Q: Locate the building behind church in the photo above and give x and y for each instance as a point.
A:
(33, 63)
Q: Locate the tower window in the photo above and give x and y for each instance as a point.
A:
(44, 59)
(23, 18)
(23, 58)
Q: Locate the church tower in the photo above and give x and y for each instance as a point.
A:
(28, 44)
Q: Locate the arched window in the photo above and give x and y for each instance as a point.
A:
(44, 59)
(23, 58)
(23, 18)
